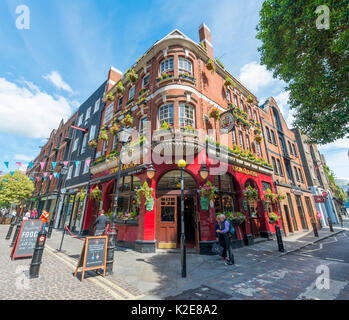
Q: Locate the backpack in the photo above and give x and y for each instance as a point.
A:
(231, 229)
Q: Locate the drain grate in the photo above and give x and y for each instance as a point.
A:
(201, 293)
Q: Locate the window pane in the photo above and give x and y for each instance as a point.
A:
(186, 115)
(166, 65)
(166, 114)
(168, 214)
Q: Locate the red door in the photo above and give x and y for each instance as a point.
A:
(166, 222)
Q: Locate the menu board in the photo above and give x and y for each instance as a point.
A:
(93, 254)
(26, 239)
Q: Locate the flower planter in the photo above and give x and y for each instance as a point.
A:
(127, 222)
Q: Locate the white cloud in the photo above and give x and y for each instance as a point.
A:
(338, 161)
(254, 76)
(338, 144)
(56, 79)
(30, 112)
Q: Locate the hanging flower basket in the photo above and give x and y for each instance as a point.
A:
(81, 195)
(269, 196)
(214, 114)
(114, 129)
(280, 197)
(229, 82)
(211, 65)
(104, 136)
(251, 195)
(208, 190)
(96, 194)
(127, 121)
(273, 217)
(146, 192)
(120, 89)
(132, 76)
(109, 97)
(258, 139)
(249, 99)
(92, 144)
(236, 218)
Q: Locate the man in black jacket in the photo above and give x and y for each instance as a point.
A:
(100, 223)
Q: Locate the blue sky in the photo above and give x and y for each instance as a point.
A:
(49, 69)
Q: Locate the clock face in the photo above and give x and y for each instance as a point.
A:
(227, 121)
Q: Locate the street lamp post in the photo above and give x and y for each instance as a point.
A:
(124, 136)
(63, 172)
(182, 164)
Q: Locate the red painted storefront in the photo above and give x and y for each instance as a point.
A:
(146, 236)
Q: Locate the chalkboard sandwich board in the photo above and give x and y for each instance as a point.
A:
(26, 239)
(93, 255)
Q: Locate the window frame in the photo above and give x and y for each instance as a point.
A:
(180, 117)
(161, 121)
(184, 70)
(163, 63)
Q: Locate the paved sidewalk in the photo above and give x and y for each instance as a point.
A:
(157, 276)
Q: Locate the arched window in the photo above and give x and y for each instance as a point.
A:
(166, 65)
(166, 113)
(277, 119)
(185, 66)
(172, 181)
(186, 115)
(225, 200)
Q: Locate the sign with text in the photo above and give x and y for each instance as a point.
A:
(26, 239)
(319, 199)
(93, 255)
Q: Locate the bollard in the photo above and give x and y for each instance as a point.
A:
(19, 224)
(9, 233)
(279, 238)
(37, 256)
(330, 224)
(315, 229)
(112, 236)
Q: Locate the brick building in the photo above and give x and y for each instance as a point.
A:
(171, 94)
(298, 209)
(316, 178)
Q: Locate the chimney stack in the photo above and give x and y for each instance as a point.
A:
(205, 37)
(114, 76)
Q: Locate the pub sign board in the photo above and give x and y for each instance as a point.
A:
(26, 239)
(93, 255)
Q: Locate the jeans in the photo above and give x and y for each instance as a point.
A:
(224, 241)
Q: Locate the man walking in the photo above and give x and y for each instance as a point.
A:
(100, 223)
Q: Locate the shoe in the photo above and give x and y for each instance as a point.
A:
(223, 258)
(229, 263)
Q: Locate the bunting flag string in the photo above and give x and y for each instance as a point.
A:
(44, 163)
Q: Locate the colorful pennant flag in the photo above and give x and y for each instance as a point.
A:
(54, 165)
(30, 165)
(6, 163)
(66, 163)
(42, 165)
(50, 176)
(19, 164)
(12, 172)
(88, 162)
(77, 163)
(57, 176)
(45, 174)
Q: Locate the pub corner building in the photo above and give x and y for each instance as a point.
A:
(185, 97)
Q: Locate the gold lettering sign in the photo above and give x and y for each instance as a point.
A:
(245, 171)
(124, 167)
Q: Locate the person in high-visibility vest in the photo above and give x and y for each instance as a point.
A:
(44, 217)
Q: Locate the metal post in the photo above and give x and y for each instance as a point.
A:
(37, 256)
(9, 233)
(330, 224)
(50, 227)
(183, 246)
(279, 239)
(19, 223)
(315, 229)
(112, 234)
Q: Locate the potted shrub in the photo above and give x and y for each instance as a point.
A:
(214, 114)
(229, 82)
(273, 217)
(251, 194)
(211, 65)
(269, 196)
(93, 144)
(96, 194)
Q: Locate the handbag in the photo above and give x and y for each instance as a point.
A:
(217, 249)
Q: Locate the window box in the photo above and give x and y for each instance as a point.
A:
(143, 92)
(165, 76)
(130, 101)
(187, 76)
(127, 222)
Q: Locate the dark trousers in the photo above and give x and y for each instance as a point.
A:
(224, 241)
